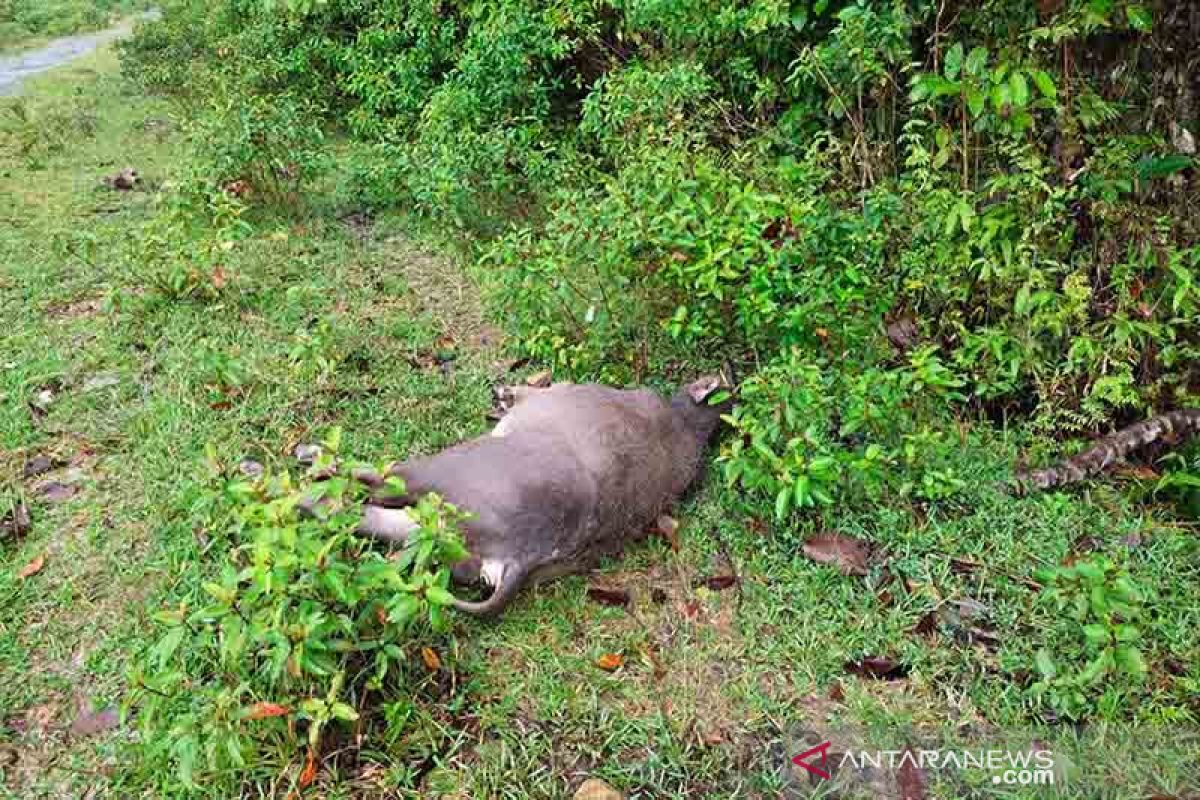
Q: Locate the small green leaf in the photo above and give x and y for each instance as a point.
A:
(1129, 659)
(1139, 17)
(1018, 89)
(1045, 84)
(977, 61)
(1096, 633)
(718, 397)
(343, 712)
(783, 503)
(1045, 664)
(439, 596)
(954, 61)
(1127, 633)
(976, 101)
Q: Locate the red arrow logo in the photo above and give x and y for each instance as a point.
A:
(815, 770)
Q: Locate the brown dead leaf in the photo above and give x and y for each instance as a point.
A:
(719, 583)
(837, 692)
(609, 595)
(95, 722)
(539, 380)
(596, 789)
(16, 522)
(39, 465)
(265, 711)
(910, 779)
(431, 659)
(902, 333)
(33, 567)
(1139, 472)
(880, 667)
(610, 662)
(690, 609)
(848, 555)
(56, 491)
(668, 527)
(219, 277)
(927, 625)
(309, 773)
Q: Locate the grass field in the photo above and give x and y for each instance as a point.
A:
(737, 649)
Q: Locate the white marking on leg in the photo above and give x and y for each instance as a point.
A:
(492, 572)
(392, 524)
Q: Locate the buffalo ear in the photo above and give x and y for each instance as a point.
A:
(700, 390)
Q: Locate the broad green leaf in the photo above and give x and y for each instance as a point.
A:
(954, 61)
(977, 61)
(1045, 84)
(976, 101)
(1019, 89)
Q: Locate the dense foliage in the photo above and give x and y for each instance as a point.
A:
(302, 623)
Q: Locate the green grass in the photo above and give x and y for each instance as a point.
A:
(25, 24)
(321, 321)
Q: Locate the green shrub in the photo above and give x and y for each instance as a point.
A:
(295, 627)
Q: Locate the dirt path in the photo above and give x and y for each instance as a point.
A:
(15, 68)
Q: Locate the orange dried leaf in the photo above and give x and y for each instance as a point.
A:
(33, 567)
(265, 711)
(431, 659)
(309, 774)
(610, 662)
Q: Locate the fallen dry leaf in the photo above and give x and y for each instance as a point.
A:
(33, 567)
(539, 380)
(610, 662)
(431, 659)
(910, 779)
(609, 595)
(690, 609)
(56, 491)
(668, 527)
(880, 667)
(902, 333)
(265, 711)
(95, 722)
(39, 465)
(719, 583)
(309, 773)
(848, 555)
(596, 789)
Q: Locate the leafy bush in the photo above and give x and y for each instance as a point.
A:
(295, 628)
(1108, 609)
